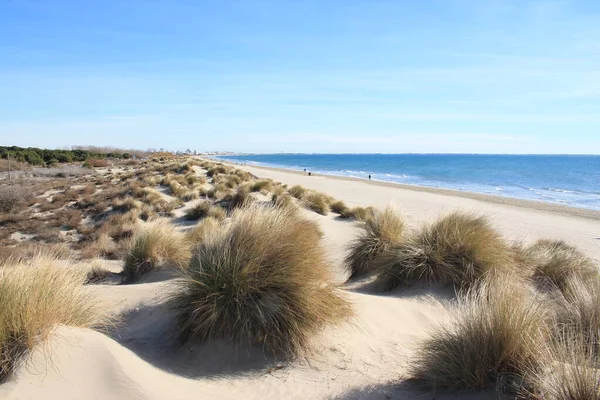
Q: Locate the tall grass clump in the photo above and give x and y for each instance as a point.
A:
(37, 296)
(568, 369)
(338, 207)
(581, 309)
(491, 338)
(316, 202)
(263, 185)
(198, 233)
(217, 213)
(358, 213)
(386, 228)
(262, 280)
(200, 210)
(154, 244)
(233, 181)
(458, 249)
(556, 261)
(283, 201)
(297, 191)
(241, 198)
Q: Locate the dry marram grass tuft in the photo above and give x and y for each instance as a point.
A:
(384, 229)
(492, 338)
(36, 297)
(457, 249)
(317, 202)
(199, 211)
(206, 227)
(263, 279)
(154, 244)
(556, 261)
(568, 369)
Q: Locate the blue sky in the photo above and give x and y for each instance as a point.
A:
(305, 76)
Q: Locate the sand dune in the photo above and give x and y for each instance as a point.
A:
(364, 359)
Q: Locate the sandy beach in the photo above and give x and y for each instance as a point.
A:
(366, 358)
(520, 220)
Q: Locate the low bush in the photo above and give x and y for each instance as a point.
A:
(385, 229)
(66, 218)
(13, 197)
(244, 176)
(27, 251)
(263, 279)
(216, 170)
(97, 163)
(233, 181)
(97, 273)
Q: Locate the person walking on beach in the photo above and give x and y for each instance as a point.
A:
(369, 176)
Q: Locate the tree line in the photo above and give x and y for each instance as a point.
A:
(45, 157)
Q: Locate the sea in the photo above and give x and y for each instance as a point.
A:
(571, 180)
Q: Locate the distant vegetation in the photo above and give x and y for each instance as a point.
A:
(45, 157)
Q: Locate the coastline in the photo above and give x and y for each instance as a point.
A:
(489, 198)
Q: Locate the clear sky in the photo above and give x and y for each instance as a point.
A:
(486, 76)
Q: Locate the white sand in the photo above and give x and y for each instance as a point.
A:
(364, 359)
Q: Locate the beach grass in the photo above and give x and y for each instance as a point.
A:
(262, 280)
(458, 249)
(36, 297)
(155, 244)
(493, 337)
(385, 228)
(556, 261)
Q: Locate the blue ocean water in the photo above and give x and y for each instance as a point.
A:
(571, 180)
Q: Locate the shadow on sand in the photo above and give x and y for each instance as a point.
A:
(149, 332)
(368, 286)
(405, 390)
